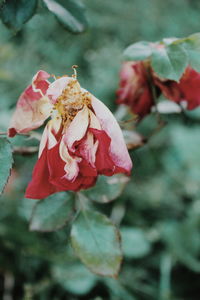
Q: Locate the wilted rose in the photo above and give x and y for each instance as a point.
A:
(80, 141)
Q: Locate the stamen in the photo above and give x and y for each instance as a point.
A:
(71, 100)
(74, 67)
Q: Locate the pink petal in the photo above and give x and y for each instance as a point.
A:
(118, 149)
(32, 109)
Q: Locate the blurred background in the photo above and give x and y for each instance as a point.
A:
(159, 210)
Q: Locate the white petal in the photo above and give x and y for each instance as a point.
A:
(77, 128)
(52, 127)
(89, 149)
(71, 167)
(94, 122)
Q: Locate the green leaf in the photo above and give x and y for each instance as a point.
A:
(25, 208)
(74, 278)
(138, 51)
(192, 48)
(134, 242)
(14, 13)
(118, 290)
(96, 242)
(70, 13)
(169, 62)
(52, 212)
(6, 161)
(107, 188)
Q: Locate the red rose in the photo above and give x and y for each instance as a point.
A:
(81, 141)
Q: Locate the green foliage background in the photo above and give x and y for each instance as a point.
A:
(158, 212)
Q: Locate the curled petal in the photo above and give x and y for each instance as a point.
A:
(88, 148)
(49, 135)
(32, 108)
(118, 150)
(29, 114)
(71, 164)
(104, 160)
(77, 128)
(85, 179)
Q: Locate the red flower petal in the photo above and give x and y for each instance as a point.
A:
(188, 89)
(118, 150)
(104, 162)
(86, 177)
(40, 186)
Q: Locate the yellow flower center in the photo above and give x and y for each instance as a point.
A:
(71, 101)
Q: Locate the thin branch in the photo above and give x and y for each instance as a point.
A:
(25, 150)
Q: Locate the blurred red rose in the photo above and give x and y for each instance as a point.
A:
(134, 89)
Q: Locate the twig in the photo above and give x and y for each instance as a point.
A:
(25, 150)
